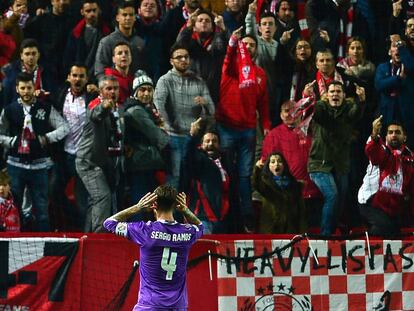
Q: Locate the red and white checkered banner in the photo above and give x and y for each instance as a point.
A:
(316, 275)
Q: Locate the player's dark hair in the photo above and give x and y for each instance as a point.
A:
(166, 197)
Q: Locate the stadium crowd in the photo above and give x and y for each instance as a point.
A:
(274, 116)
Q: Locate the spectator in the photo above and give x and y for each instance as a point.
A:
(15, 20)
(294, 147)
(125, 31)
(355, 63)
(150, 29)
(326, 73)
(18, 8)
(330, 24)
(84, 38)
(206, 38)
(72, 103)
(25, 128)
(181, 98)
(394, 80)
(172, 24)
(52, 30)
(121, 59)
(329, 158)
(287, 27)
(233, 16)
(208, 181)
(146, 140)
(98, 160)
(385, 210)
(282, 206)
(9, 214)
(300, 70)
(7, 45)
(402, 11)
(29, 63)
(164, 247)
(267, 51)
(243, 91)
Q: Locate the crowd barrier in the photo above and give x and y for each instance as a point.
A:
(225, 273)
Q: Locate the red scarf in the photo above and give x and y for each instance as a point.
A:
(323, 82)
(247, 72)
(27, 133)
(303, 110)
(206, 44)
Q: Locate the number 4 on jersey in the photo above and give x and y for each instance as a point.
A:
(168, 263)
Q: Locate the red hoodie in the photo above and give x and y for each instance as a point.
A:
(237, 106)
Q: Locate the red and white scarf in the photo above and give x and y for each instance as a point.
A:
(345, 31)
(324, 81)
(247, 72)
(205, 43)
(27, 131)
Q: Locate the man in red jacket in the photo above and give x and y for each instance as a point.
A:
(242, 92)
(386, 208)
(295, 149)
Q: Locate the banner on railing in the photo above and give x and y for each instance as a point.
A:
(316, 275)
(34, 274)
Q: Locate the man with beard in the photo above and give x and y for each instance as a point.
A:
(98, 160)
(393, 165)
(287, 27)
(233, 16)
(206, 41)
(26, 130)
(173, 22)
(181, 97)
(71, 102)
(329, 158)
(84, 39)
(207, 180)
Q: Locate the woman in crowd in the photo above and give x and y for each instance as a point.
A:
(300, 70)
(282, 206)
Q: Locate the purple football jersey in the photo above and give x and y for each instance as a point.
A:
(163, 262)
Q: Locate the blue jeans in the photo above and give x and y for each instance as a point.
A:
(179, 148)
(240, 146)
(36, 182)
(333, 190)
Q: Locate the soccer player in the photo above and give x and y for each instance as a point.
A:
(165, 245)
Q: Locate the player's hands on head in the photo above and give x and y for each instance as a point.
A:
(181, 202)
(147, 201)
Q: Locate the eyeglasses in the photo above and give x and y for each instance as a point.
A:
(305, 47)
(181, 57)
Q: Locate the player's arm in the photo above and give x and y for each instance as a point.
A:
(183, 209)
(146, 201)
